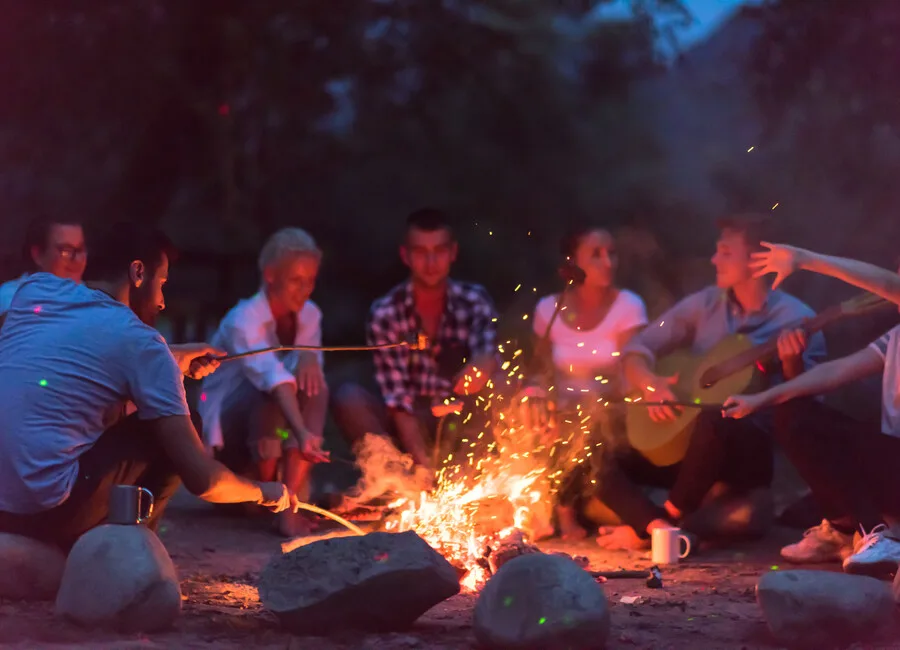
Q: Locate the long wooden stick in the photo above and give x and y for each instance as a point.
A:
(318, 348)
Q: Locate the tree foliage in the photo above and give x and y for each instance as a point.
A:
(226, 120)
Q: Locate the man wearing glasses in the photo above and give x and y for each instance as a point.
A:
(52, 245)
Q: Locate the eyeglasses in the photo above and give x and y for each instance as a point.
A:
(71, 252)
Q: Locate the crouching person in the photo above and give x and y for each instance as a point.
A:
(265, 414)
(71, 357)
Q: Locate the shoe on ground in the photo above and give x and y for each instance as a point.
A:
(820, 544)
(877, 554)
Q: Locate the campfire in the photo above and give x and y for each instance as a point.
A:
(488, 504)
(475, 527)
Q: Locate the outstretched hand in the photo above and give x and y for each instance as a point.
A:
(780, 259)
(740, 406)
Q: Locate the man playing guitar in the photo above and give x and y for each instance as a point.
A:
(737, 454)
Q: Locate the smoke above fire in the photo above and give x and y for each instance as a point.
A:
(386, 471)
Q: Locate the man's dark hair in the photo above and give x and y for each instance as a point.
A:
(754, 227)
(114, 250)
(37, 234)
(429, 220)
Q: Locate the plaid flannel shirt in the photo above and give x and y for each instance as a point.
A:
(469, 320)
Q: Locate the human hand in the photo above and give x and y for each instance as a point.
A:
(196, 360)
(659, 391)
(447, 407)
(310, 378)
(311, 449)
(791, 345)
(780, 259)
(471, 379)
(533, 408)
(740, 406)
(276, 497)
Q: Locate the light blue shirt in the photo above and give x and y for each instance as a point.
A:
(703, 319)
(70, 357)
(700, 321)
(7, 291)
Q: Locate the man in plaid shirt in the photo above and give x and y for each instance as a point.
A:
(460, 323)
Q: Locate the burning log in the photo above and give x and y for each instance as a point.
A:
(491, 515)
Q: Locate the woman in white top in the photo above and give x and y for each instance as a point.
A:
(596, 320)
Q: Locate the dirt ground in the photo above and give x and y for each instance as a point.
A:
(706, 603)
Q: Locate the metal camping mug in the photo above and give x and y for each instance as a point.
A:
(127, 505)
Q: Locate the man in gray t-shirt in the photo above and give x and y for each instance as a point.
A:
(71, 357)
(853, 471)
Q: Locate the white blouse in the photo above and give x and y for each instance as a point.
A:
(588, 360)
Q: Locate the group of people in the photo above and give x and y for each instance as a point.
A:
(94, 396)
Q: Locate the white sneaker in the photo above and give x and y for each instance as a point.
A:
(876, 554)
(820, 544)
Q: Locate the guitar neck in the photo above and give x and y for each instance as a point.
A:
(813, 325)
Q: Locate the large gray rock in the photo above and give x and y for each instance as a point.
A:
(380, 582)
(29, 569)
(822, 609)
(120, 577)
(542, 602)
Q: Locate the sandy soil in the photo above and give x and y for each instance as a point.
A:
(706, 603)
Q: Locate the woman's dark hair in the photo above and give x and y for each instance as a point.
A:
(573, 238)
(113, 251)
(568, 270)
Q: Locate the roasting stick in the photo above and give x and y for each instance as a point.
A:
(420, 344)
(703, 406)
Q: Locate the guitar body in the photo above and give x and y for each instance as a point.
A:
(665, 443)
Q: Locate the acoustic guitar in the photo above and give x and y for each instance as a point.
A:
(729, 368)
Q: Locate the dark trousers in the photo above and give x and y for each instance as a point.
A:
(735, 452)
(255, 429)
(127, 453)
(358, 411)
(852, 470)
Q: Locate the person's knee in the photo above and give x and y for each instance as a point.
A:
(349, 397)
(267, 448)
(709, 426)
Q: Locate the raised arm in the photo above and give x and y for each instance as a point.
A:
(783, 260)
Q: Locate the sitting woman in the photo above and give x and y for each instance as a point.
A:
(264, 415)
(580, 346)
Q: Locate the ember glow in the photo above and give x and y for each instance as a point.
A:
(495, 485)
(462, 522)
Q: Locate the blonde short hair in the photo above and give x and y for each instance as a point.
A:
(286, 243)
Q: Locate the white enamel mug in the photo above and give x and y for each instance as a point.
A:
(666, 544)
